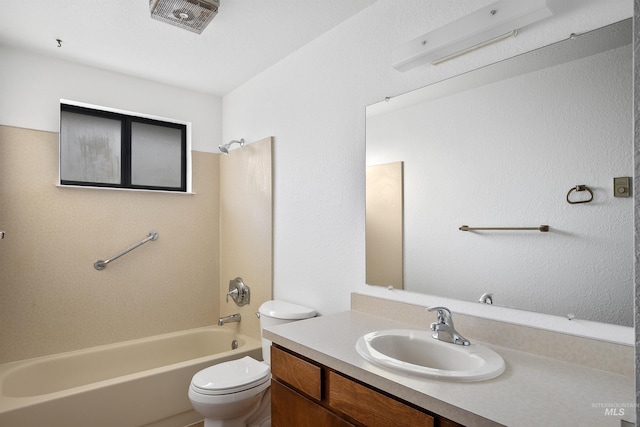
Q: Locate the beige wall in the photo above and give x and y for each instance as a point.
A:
(384, 225)
(51, 297)
(246, 231)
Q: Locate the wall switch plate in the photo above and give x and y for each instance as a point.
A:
(622, 187)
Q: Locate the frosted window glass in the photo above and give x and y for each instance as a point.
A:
(156, 155)
(90, 148)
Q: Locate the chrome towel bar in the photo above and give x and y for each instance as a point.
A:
(102, 264)
(542, 228)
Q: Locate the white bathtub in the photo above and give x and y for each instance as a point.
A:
(132, 383)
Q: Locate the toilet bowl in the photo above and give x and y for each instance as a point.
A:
(229, 393)
(236, 393)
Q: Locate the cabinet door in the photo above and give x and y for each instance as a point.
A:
(371, 408)
(289, 409)
(298, 373)
(443, 422)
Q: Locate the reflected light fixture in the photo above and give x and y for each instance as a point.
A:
(490, 24)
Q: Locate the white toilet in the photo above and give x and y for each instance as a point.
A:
(236, 393)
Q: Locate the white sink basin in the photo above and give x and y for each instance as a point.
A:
(418, 353)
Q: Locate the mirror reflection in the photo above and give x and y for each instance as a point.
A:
(502, 146)
(384, 225)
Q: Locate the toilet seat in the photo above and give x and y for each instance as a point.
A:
(231, 377)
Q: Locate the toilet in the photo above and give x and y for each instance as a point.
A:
(236, 393)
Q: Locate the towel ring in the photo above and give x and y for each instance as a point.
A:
(579, 188)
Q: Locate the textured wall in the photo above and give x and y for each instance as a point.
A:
(51, 297)
(314, 102)
(246, 231)
(32, 86)
(636, 189)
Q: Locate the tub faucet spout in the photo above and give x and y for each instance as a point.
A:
(229, 319)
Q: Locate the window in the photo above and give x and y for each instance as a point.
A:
(108, 148)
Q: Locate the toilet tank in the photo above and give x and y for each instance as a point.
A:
(276, 312)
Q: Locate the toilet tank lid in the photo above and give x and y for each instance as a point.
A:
(285, 310)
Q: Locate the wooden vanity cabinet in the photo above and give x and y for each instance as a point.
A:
(307, 394)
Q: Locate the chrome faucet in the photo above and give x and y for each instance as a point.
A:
(229, 319)
(486, 298)
(443, 327)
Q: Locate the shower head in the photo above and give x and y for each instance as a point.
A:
(224, 148)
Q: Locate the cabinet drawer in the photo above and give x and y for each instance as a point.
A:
(371, 408)
(289, 409)
(299, 374)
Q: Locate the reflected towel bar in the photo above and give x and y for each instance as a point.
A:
(542, 228)
(102, 264)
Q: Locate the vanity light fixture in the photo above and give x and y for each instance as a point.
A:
(493, 23)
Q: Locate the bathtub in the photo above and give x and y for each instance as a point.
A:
(132, 383)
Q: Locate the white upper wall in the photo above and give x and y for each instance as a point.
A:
(314, 102)
(32, 86)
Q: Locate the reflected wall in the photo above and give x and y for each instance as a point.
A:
(506, 154)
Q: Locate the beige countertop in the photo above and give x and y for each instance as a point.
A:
(533, 391)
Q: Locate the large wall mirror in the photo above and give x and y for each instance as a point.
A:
(503, 146)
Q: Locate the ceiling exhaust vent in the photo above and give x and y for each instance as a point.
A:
(192, 15)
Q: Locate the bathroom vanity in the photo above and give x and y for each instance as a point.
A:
(304, 392)
(320, 379)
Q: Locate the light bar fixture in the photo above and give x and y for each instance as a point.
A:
(488, 25)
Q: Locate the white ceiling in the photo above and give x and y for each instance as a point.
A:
(245, 38)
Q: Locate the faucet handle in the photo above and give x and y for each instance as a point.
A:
(443, 328)
(444, 315)
(239, 292)
(233, 293)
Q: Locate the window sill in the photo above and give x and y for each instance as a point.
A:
(88, 187)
